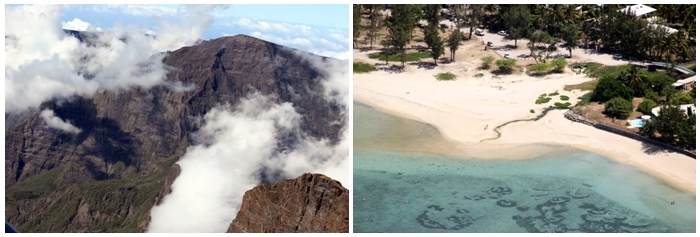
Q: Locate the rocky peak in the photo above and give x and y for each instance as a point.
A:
(309, 203)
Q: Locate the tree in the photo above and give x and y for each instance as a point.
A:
(618, 107)
(633, 78)
(486, 61)
(386, 49)
(505, 65)
(672, 120)
(559, 64)
(517, 21)
(476, 12)
(430, 33)
(356, 23)
(541, 45)
(435, 42)
(570, 33)
(400, 27)
(454, 41)
(609, 87)
(646, 106)
(375, 22)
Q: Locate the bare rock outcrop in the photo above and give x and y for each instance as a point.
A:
(309, 203)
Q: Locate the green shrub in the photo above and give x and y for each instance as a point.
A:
(445, 76)
(362, 68)
(532, 111)
(556, 93)
(542, 99)
(560, 105)
(559, 64)
(540, 68)
(479, 75)
(486, 61)
(681, 99)
(646, 106)
(505, 65)
(563, 97)
(618, 107)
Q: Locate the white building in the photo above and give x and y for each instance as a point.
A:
(639, 10)
(684, 108)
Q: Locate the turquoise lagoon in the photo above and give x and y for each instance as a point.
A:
(396, 189)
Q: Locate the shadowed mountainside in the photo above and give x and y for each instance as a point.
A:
(107, 177)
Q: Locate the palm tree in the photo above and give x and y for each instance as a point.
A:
(635, 79)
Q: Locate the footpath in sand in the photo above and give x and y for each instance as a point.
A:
(467, 109)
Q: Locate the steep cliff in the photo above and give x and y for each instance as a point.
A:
(309, 203)
(109, 175)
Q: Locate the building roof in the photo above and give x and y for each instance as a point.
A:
(684, 81)
(638, 9)
(668, 29)
(684, 108)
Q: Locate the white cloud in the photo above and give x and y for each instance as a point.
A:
(234, 148)
(76, 24)
(327, 42)
(42, 62)
(54, 121)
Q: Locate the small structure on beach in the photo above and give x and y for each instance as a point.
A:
(639, 10)
(685, 84)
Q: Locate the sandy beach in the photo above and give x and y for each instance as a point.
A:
(467, 109)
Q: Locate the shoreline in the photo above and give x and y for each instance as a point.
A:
(461, 109)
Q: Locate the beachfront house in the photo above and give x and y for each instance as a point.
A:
(639, 10)
(684, 108)
(685, 84)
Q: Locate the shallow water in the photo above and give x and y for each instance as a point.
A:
(400, 191)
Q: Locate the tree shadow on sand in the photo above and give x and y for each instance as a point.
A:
(389, 68)
(423, 65)
(651, 149)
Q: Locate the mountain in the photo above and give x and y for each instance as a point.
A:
(107, 177)
(309, 203)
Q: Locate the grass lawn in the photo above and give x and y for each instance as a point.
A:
(362, 68)
(410, 57)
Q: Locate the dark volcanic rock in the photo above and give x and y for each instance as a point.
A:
(309, 203)
(137, 133)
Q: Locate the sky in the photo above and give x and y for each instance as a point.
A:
(322, 29)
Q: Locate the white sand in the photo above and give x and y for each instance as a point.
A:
(461, 110)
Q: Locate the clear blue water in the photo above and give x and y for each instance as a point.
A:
(637, 122)
(395, 190)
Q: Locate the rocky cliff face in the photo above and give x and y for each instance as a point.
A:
(130, 139)
(309, 203)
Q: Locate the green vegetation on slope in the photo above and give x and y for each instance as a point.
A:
(122, 203)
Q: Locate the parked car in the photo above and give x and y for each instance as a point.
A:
(444, 26)
(506, 55)
(503, 33)
(617, 56)
(490, 44)
(479, 32)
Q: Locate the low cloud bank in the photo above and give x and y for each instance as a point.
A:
(42, 62)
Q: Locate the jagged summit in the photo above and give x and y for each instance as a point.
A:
(309, 203)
